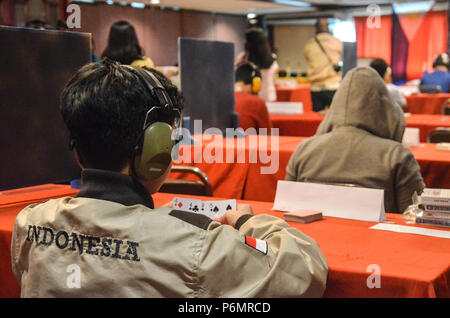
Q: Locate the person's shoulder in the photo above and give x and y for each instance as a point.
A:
(39, 211)
(144, 61)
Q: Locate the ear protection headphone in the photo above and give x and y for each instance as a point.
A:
(256, 78)
(155, 144)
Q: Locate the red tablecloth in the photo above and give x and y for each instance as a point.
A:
(426, 103)
(246, 180)
(305, 125)
(410, 265)
(11, 203)
(416, 103)
(298, 93)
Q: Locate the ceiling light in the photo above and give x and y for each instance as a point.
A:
(251, 15)
(155, 1)
(138, 5)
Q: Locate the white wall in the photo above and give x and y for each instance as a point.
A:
(289, 42)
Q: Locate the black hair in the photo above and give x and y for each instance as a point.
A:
(104, 107)
(258, 49)
(380, 66)
(245, 73)
(442, 60)
(123, 45)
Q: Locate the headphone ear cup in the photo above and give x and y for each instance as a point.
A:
(256, 84)
(156, 155)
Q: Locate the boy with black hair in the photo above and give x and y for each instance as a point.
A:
(252, 109)
(114, 238)
(384, 70)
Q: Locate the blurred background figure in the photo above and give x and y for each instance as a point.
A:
(123, 46)
(252, 110)
(257, 51)
(440, 77)
(323, 53)
(385, 72)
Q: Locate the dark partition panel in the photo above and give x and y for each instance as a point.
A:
(34, 67)
(207, 82)
(350, 57)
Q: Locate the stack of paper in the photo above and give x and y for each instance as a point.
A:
(303, 216)
(286, 108)
(435, 204)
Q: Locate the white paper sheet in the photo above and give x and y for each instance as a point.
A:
(411, 230)
(335, 201)
(287, 108)
(411, 137)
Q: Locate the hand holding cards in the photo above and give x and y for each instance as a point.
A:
(208, 208)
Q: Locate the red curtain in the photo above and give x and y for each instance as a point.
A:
(429, 41)
(9, 12)
(426, 33)
(374, 42)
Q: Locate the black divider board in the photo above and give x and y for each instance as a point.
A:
(34, 67)
(207, 82)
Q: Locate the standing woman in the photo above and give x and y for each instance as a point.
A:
(257, 51)
(123, 46)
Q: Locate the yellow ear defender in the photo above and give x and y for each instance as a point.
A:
(153, 154)
(256, 78)
(256, 84)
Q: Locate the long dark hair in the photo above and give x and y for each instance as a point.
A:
(123, 45)
(257, 48)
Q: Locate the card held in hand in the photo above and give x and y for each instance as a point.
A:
(208, 208)
(302, 216)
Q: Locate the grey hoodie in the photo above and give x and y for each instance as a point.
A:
(359, 142)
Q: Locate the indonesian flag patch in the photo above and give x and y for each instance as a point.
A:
(258, 245)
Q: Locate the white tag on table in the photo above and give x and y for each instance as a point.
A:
(287, 108)
(411, 230)
(411, 137)
(336, 201)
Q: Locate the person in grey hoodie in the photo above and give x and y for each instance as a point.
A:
(359, 142)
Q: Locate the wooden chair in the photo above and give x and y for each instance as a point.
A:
(440, 134)
(192, 187)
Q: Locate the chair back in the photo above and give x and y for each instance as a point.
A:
(440, 134)
(190, 187)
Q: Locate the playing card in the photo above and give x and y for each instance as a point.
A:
(220, 207)
(188, 205)
(208, 208)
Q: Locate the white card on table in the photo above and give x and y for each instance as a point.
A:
(285, 107)
(336, 201)
(411, 230)
(411, 137)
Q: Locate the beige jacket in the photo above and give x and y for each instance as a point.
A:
(320, 71)
(359, 142)
(134, 251)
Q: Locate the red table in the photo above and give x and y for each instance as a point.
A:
(245, 180)
(11, 202)
(410, 265)
(426, 103)
(306, 124)
(298, 93)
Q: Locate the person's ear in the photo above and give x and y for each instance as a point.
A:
(77, 158)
